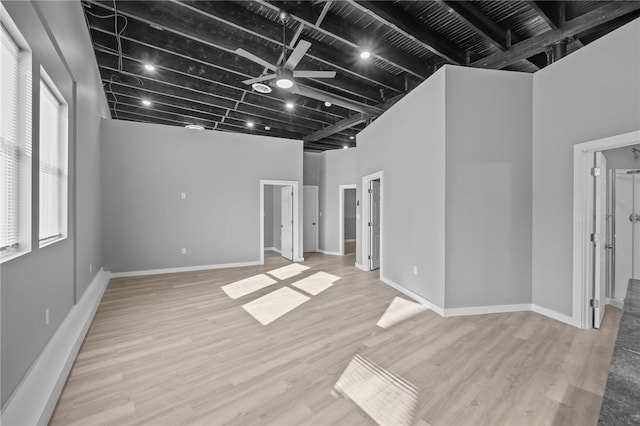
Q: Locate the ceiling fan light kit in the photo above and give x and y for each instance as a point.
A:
(284, 78)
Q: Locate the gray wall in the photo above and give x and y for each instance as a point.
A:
(53, 277)
(272, 216)
(268, 216)
(312, 163)
(277, 217)
(146, 168)
(349, 214)
(407, 143)
(591, 94)
(622, 158)
(338, 167)
(488, 187)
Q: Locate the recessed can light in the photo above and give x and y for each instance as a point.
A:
(352, 137)
(149, 67)
(194, 127)
(146, 102)
(261, 88)
(365, 54)
(327, 104)
(289, 105)
(267, 128)
(345, 147)
(250, 124)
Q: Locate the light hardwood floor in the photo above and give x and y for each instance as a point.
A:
(175, 349)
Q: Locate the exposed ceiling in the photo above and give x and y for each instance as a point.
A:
(199, 74)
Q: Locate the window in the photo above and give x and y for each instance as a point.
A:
(53, 162)
(15, 143)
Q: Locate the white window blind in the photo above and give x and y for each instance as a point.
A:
(52, 164)
(9, 142)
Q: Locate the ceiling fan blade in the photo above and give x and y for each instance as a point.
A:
(259, 79)
(314, 74)
(312, 93)
(297, 54)
(254, 58)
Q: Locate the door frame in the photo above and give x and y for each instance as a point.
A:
(583, 202)
(366, 218)
(341, 189)
(317, 188)
(296, 223)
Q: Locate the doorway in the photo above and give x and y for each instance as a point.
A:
(588, 229)
(372, 221)
(347, 206)
(279, 219)
(310, 218)
(625, 206)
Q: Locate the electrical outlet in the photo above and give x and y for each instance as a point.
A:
(184, 250)
(415, 270)
(90, 268)
(46, 317)
(183, 195)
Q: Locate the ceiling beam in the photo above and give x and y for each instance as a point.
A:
(350, 122)
(350, 36)
(553, 13)
(412, 28)
(226, 26)
(476, 20)
(222, 94)
(539, 43)
(319, 93)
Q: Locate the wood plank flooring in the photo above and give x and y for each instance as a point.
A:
(174, 349)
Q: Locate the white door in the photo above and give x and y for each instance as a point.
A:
(374, 224)
(286, 225)
(599, 239)
(310, 218)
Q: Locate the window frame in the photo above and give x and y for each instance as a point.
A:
(24, 144)
(63, 169)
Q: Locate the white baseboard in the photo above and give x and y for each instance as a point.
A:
(277, 250)
(181, 269)
(618, 303)
(350, 241)
(332, 253)
(435, 308)
(493, 309)
(554, 315)
(359, 266)
(36, 396)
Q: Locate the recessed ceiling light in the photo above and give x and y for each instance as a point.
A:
(194, 127)
(289, 105)
(267, 128)
(146, 102)
(365, 54)
(250, 124)
(352, 137)
(345, 147)
(327, 104)
(262, 88)
(149, 67)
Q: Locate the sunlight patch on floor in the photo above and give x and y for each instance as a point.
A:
(272, 306)
(288, 271)
(399, 310)
(316, 283)
(248, 285)
(386, 397)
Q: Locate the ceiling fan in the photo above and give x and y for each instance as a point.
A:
(284, 74)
